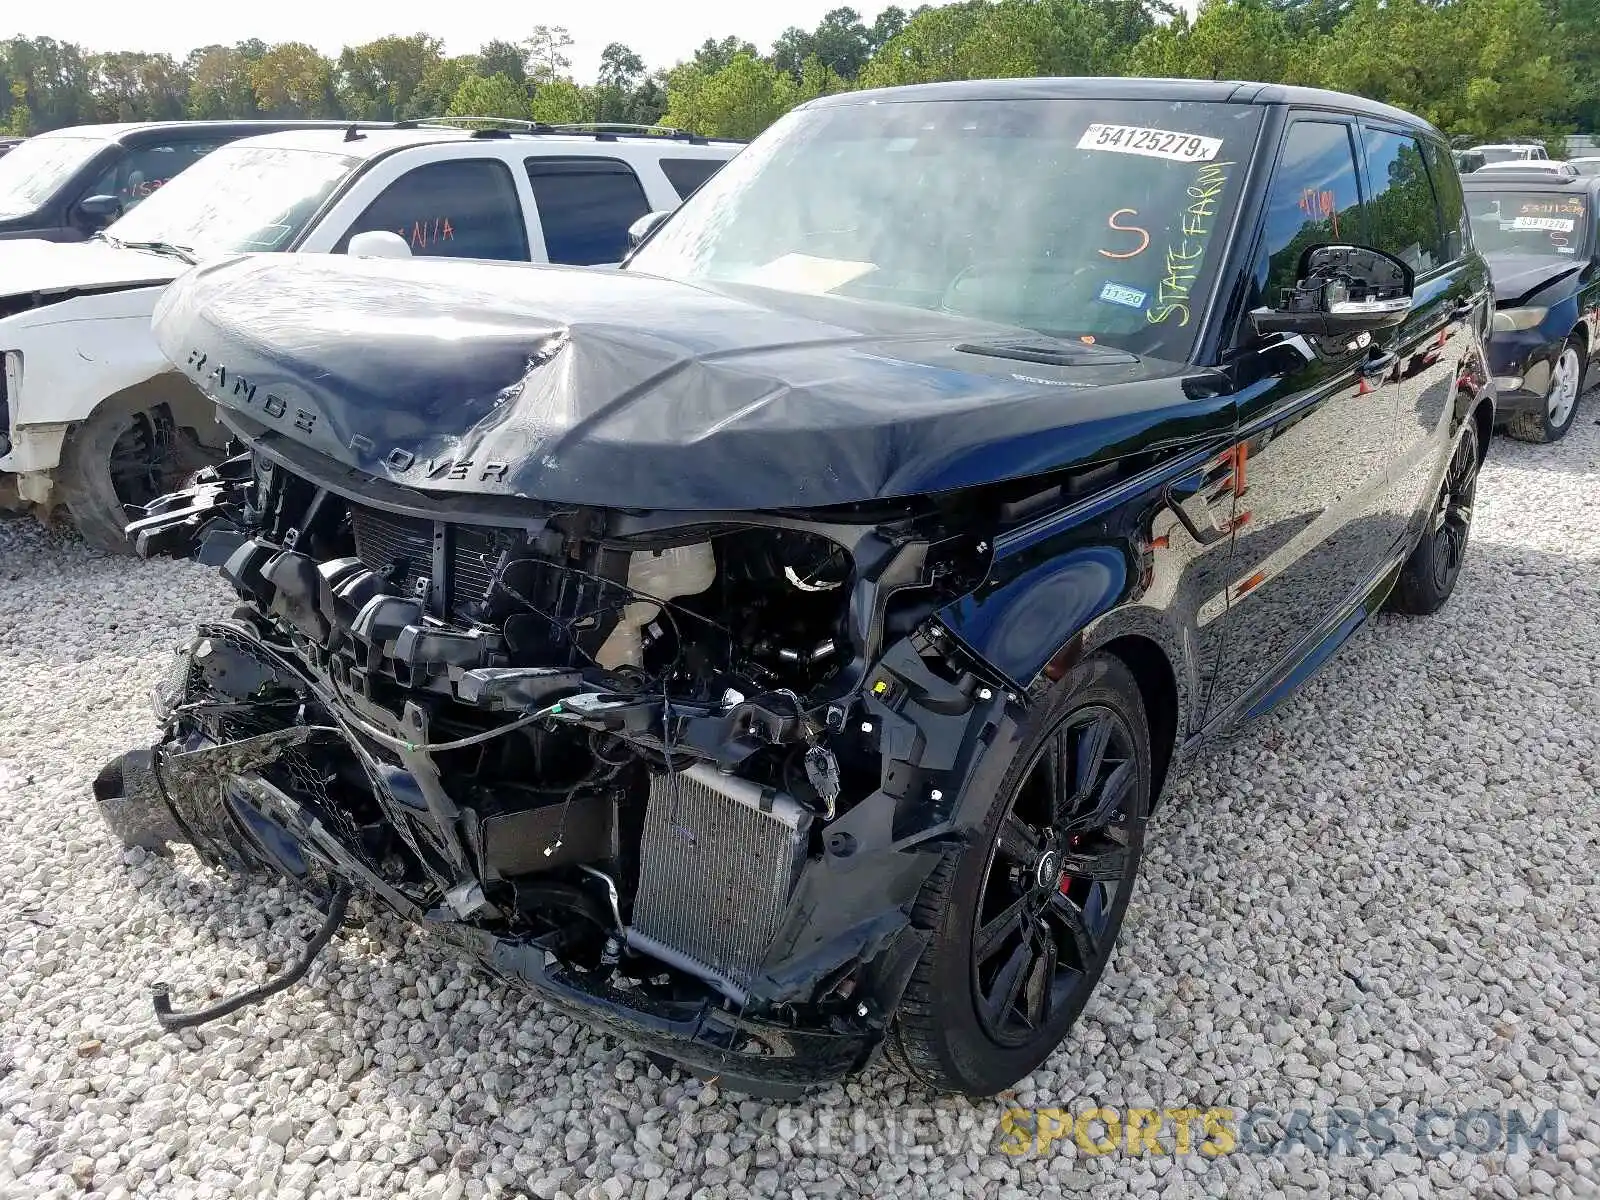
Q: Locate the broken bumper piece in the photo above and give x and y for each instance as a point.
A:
(261, 803)
(257, 825)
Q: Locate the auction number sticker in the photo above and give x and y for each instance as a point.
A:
(1152, 143)
(1548, 224)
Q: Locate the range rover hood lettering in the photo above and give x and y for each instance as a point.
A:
(612, 388)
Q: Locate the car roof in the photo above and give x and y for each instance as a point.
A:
(1541, 181)
(1506, 145)
(122, 130)
(371, 143)
(1121, 88)
(1545, 166)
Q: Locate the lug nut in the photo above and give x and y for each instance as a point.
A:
(985, 694)
(866, 727)
(936, 794)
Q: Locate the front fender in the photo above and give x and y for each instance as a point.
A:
(74, 355)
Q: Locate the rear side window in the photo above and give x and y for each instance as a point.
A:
(1452, 205)
(585, 206)
(687, 174)
(1315, 198)
(1403, 210)
(458, 208)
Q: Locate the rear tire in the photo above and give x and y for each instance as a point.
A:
(1430, 574)
(1024, 919)
(118, 458)
(1560, 408)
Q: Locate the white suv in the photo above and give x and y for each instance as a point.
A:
(1499, 152)
(93, 418)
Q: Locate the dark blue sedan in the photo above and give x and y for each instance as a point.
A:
(1537, 231)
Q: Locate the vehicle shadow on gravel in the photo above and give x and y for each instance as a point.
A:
(1337, 906)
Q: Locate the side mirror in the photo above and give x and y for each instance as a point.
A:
(378, 243)
(1341, 290)
(96, 211)
(645, 226)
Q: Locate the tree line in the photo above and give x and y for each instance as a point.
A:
(1479, 69)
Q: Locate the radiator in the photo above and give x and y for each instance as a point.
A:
(717, 864)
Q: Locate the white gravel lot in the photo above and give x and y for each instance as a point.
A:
(1383, 897)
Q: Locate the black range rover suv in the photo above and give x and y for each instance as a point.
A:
(774, 649)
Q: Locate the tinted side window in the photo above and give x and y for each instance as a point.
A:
(586, 206)
(687, 174)
(1403, 211)
(1315, 198)
(1452, 204)
(460, 208)
(140, 171)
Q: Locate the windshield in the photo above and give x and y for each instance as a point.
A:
(1095, 219)
(1528, 222)
(36, 169)
(237, 199)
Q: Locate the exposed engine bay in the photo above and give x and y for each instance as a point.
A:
(692, 772)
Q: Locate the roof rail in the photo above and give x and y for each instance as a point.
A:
(602, 130)
(451, 122)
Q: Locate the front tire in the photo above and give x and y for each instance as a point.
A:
(1023, 920)
(1560, 407)
(1430, 574)
(118, 458)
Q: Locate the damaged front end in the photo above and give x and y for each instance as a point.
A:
(685, 775)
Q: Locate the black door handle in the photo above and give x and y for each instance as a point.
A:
(1378, 365)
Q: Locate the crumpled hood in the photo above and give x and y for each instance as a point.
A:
(1518, 278)
(616, 389)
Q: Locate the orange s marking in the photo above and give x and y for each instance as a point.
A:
(1144, 243)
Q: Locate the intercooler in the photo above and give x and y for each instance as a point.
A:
(403, 547)
(717, 865)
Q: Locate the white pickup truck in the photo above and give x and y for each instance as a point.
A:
(94, 419)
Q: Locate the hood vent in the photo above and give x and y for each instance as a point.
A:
(1049, 352)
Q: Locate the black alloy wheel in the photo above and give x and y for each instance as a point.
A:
(1022, 921)
(1430, 574)
(1067, 844)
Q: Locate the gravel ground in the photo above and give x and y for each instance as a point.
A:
(1383, 897)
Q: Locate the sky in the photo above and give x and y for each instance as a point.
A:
(662, 34)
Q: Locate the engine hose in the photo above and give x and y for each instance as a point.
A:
(160, 995)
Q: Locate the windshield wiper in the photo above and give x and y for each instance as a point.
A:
(183, 253)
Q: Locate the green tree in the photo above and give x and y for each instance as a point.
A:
(1229, 39)
(441, 83)
(739, 101)
(978, 40)
(840, 42)
(547, 48)
(559, 102)
(292, 80)
(495, 96)
(19, 122)
(713, 55)
(503, 58)
(220, 85)
(380, 80)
